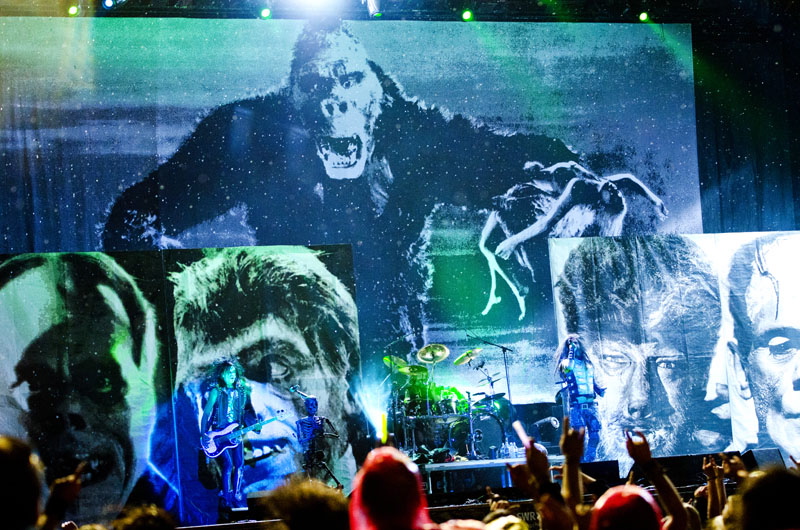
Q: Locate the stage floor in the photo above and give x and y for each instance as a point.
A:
(472, 475)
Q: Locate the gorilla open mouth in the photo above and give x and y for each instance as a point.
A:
(97, 467)
(340, 152)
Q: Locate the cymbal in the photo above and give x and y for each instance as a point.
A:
(433, 353)
(467, 356)
(487, 399)
(413, 370)
(393, 361)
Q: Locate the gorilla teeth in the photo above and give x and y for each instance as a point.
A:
(340, 152)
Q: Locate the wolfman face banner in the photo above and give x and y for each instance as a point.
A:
(692, 337)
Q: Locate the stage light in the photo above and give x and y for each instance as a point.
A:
(372, 398)
(374, 7)
(108, 4)
(265, 13)
(466, 15)
(643, 16)
(73, 11)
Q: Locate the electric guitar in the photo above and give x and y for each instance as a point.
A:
(214, 443)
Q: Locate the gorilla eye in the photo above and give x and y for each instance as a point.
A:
(349, 80)
(313, 83)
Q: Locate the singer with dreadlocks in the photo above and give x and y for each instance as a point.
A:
(578, 380)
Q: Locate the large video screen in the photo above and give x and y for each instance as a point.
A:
(425, 145)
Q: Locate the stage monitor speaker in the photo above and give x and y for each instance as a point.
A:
(763, 459)
(468, 480)
(605, 471)
(684, 471)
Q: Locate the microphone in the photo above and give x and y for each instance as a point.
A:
(296, 388)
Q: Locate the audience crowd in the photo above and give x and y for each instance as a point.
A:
(388, 494)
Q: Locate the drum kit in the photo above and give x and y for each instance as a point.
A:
(430, 416)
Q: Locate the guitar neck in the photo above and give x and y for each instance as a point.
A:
(244, 430)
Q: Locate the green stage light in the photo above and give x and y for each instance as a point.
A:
(73, 11)
(265, 13)
(466, 15)
(643, 16)
(377, 15)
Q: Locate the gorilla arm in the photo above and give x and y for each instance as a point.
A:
(455, 160)
(138, 219)
(214, 170)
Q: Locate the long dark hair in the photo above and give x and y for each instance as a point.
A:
(224, 365)
(563, 351)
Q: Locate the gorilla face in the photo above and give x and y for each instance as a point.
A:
(338, 97)
(80, 385)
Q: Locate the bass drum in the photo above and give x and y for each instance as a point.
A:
(499, 407)
(488, 431)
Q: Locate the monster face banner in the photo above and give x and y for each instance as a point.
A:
(114, 371)
(692, 337)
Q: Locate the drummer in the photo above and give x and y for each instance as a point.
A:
(416, 393)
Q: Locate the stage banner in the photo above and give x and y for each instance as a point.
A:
(112, 359)
(692, 337)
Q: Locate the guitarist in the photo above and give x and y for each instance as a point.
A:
(228, 402)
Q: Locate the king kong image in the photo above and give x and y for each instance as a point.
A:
(342, 155)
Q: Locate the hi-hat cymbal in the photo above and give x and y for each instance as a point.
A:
(413, 370)
(467, 356)
(433, 353)
(393, 361)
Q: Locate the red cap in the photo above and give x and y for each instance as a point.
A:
(388, 494)
(626, 508)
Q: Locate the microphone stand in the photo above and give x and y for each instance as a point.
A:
(505, 350)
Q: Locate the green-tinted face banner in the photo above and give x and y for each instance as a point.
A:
(114, 370)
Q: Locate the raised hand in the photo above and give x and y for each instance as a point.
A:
(538, 464)
(571, 442)
(639, 450)
(710, 467)
(733, 467)
(523, 479)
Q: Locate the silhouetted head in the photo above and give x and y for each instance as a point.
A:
(20, 484)
(626, 508)
(388, 493)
